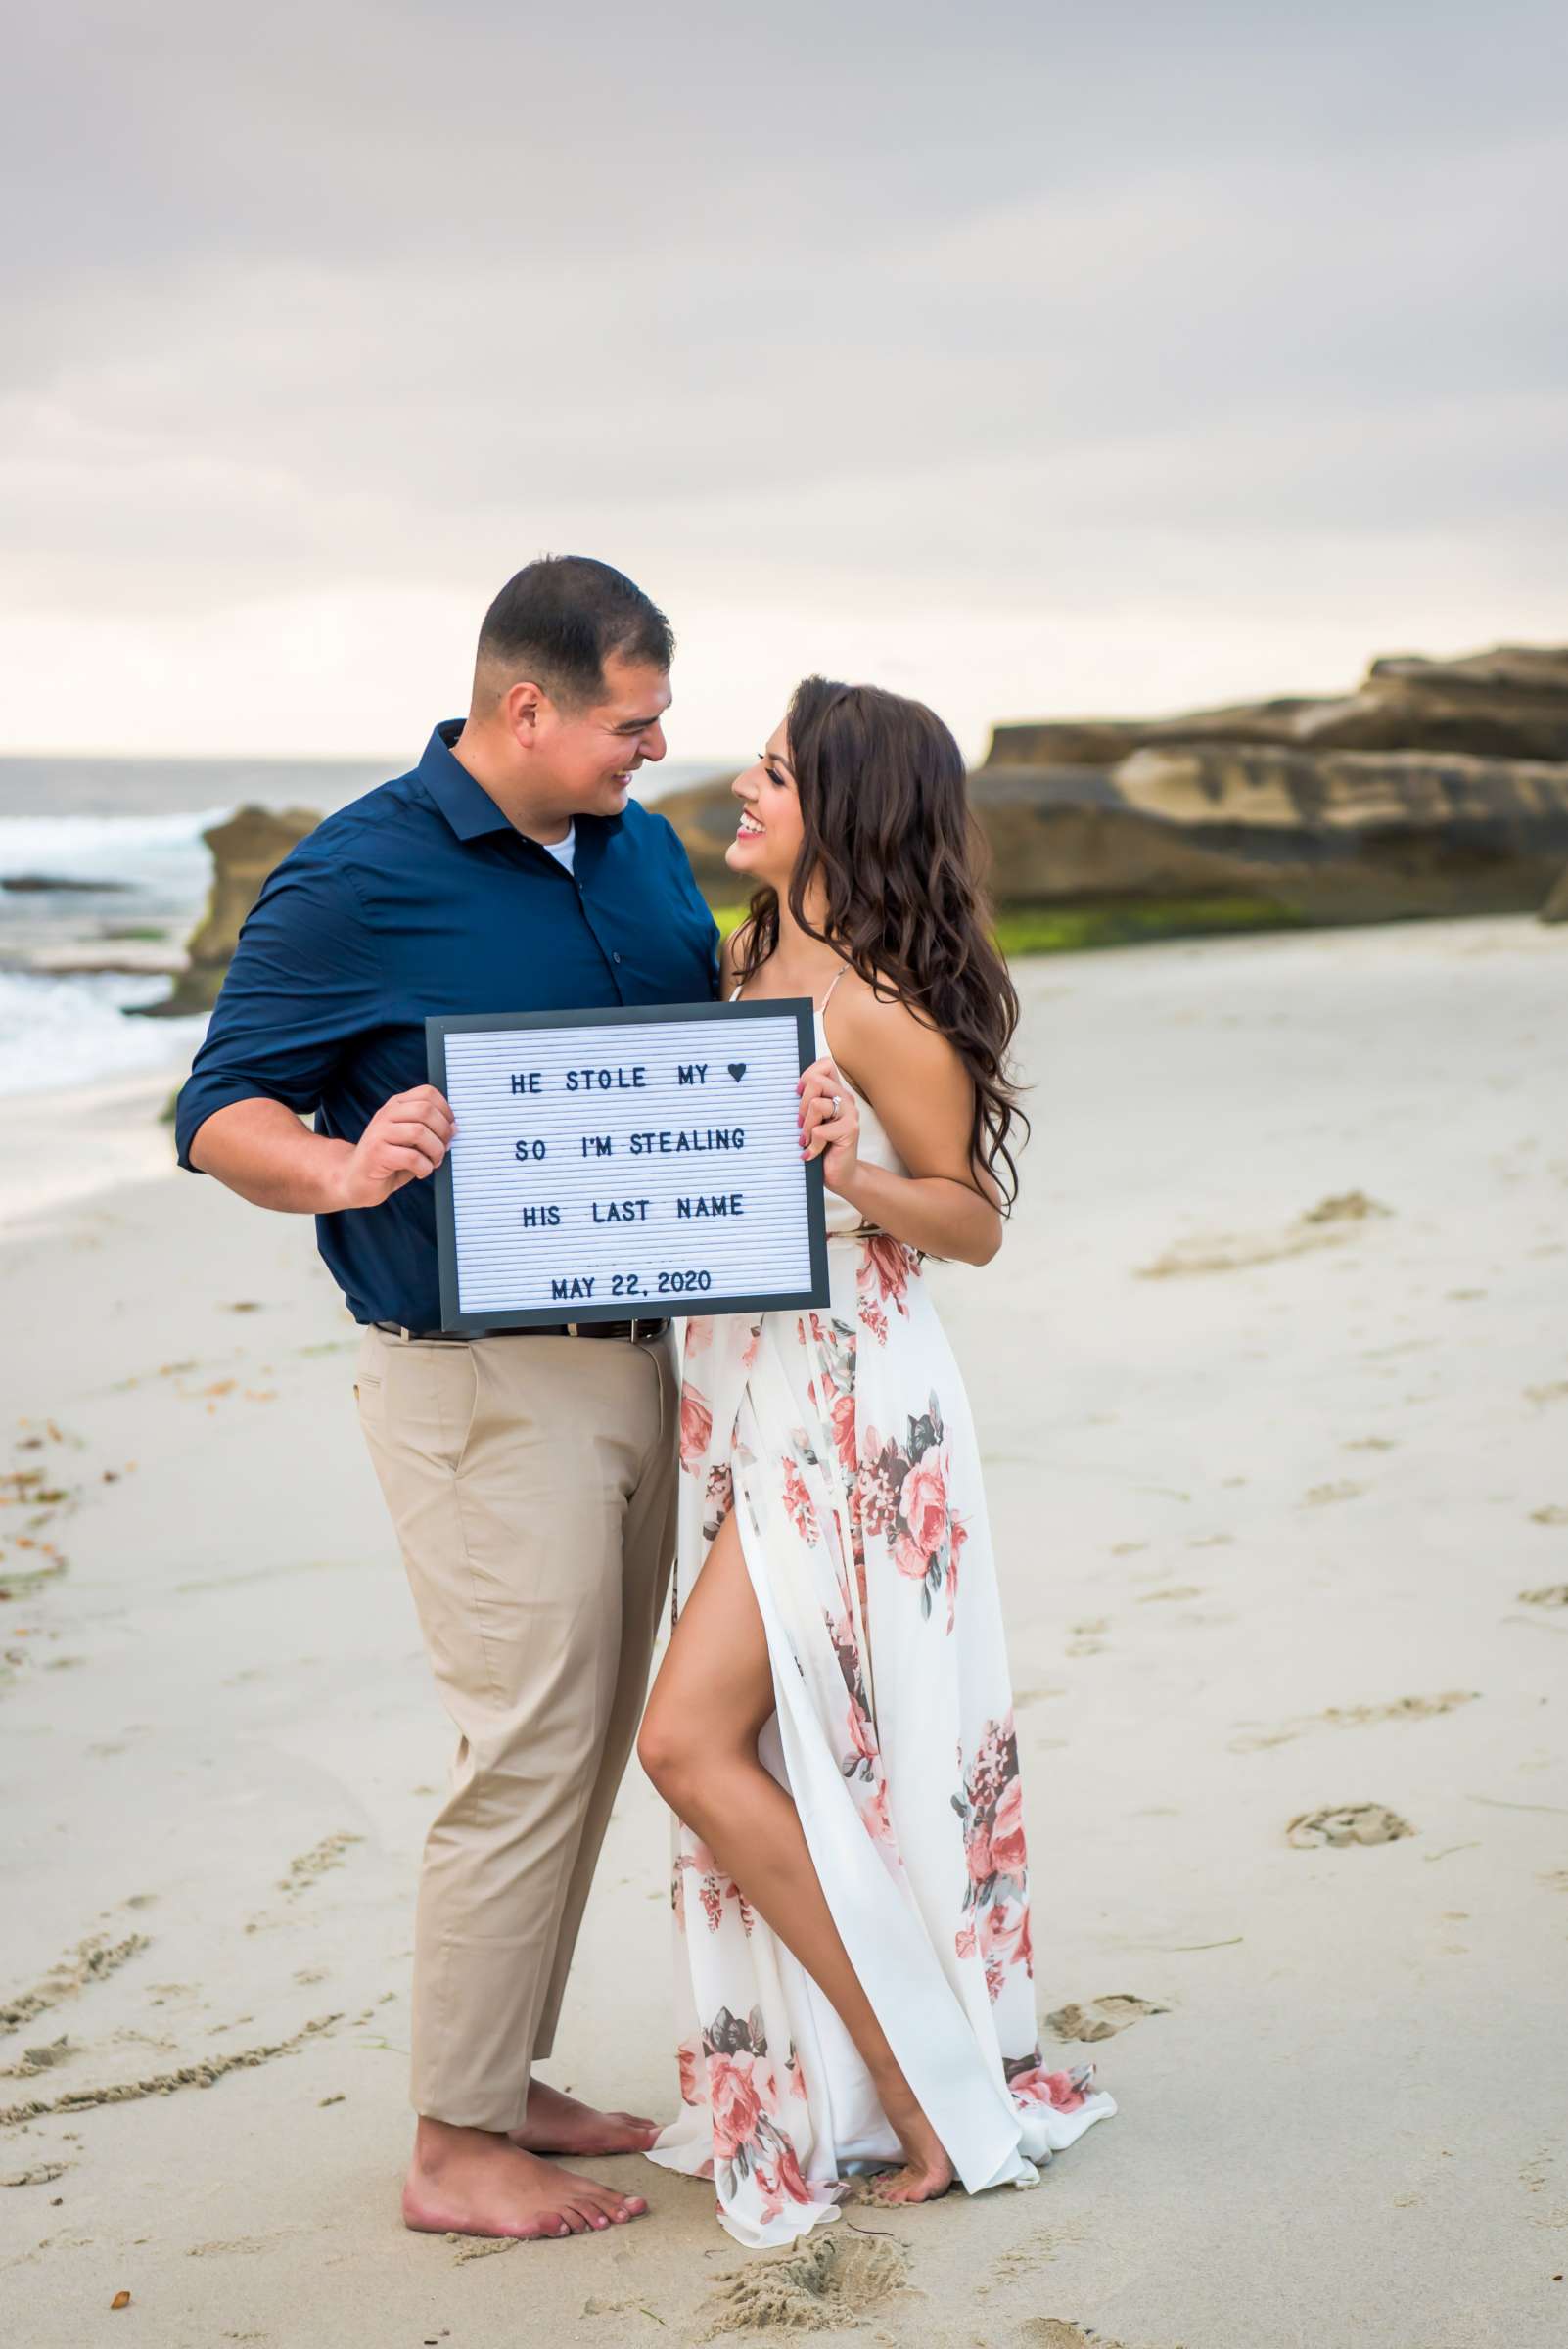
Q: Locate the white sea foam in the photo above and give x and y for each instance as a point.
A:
(155, 869)
(58, 1033)
(154, 849)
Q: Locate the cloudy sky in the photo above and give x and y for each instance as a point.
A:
(1029, 357)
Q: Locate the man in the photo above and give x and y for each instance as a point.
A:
(531, 1475)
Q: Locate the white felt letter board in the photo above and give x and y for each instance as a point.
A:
(611, 1166)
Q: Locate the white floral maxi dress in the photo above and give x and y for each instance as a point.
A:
(844, 1440)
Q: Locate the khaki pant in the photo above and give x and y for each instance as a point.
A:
(532, 1482)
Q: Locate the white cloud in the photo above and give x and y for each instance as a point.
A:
(1035, 360)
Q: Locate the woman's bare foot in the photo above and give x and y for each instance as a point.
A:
(473, 2181)
(557, 2123)
(926, 2172)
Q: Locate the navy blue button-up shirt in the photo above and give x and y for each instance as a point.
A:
(423, 899)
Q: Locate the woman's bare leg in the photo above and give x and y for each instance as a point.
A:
(713, 1692)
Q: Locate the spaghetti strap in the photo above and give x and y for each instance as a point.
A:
(837, 976)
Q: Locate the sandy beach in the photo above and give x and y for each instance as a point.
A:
(1273, 1379)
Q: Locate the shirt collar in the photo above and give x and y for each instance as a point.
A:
(465, 805)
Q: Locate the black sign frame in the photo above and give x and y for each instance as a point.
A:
(625, 1015)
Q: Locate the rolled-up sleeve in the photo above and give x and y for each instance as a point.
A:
(304, 982)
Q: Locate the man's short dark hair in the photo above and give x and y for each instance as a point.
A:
(558, 620)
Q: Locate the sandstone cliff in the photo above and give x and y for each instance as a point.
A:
(245, 848)
(1437, 787)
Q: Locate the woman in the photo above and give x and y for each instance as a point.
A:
(832, 1724)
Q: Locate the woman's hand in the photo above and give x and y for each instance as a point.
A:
(830, 1126)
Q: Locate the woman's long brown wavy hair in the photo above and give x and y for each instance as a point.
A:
(889, 833)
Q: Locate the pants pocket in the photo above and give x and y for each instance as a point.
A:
(368, 1375)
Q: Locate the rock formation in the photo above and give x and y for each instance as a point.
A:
(245, 848)
(1437, 787)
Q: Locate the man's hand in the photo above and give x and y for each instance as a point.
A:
(405, 1141)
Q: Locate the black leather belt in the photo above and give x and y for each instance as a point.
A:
(634, 1330)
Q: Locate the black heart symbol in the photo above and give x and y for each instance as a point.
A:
(737, 1068)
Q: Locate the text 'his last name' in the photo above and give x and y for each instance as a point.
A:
(635, 1211)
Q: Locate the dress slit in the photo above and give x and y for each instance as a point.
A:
(842, 1437)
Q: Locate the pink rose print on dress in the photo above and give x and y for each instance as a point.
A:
(797, 1501)
(861, 1759)
(994, 1919)
(713, 1887)
(844, 1434)
(997, 1929)
(717, 1500)
(924, 1500)
(1007, 1833)
(1030, 2083)
(910, 1558)
(860, 1738)
(783, 2178)
(957, 1535)
(696, 1426)
(688, 2056)
(883, 1469)
(735, 2108)
(886, 1268)
(742, 2095)
(904, 1498)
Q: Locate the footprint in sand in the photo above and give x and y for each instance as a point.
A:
(1055, 2332)
(1551, 1595)
(1328, 1224)
(1352, 1822)
(1147, 1599)
(41, 2058)
(43, 2174)
(321, 1857)
(1110, 2014)
(830, 2285)
(1552, 1515)
(91, 1960)
(1085, 1641)
(1317, 1496)
(1400, 1708)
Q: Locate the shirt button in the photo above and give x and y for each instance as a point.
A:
(615, 958)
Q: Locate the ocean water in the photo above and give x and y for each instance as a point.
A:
(124, 835)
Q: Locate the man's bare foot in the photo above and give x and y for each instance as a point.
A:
(473, 2181)
(557, 2123)
(926, 2172)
